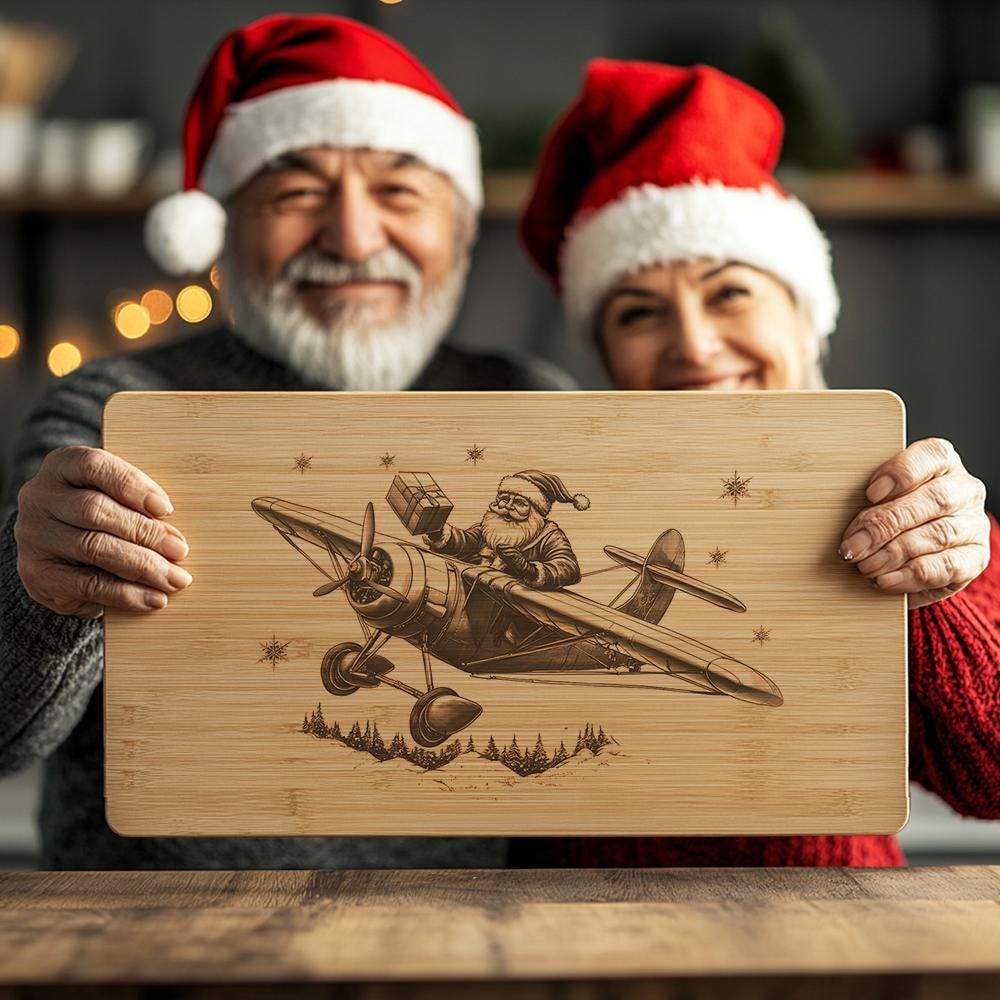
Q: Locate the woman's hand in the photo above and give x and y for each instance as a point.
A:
(927, 533)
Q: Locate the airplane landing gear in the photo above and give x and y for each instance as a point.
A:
(440, 714)
(339, 671)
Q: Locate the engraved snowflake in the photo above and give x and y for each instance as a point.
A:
(386, 460)
(761, 635)
(475, 454)
(717, 556)
(736, 488)
(303, 462)
(274, 651)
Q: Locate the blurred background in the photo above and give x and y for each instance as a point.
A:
(893, 139)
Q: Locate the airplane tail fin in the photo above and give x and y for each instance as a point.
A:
(651, 598)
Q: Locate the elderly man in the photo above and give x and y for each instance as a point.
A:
(351, 186)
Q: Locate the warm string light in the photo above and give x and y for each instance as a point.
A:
(132, 320)
(158, 304)
(64, 358)
(10, 341)
(194, 304)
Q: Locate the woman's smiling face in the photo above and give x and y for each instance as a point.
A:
(705, 324)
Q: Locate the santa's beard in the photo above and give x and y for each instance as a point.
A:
(497, 530)
(352, 349)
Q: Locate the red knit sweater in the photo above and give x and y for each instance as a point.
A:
(954, 752)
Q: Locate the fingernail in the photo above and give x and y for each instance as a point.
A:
(890, 579)
(178, 578)
(174, 547)
(157, 505)
(174, 530)
(155, 599)
(856, 546)
(880, 489)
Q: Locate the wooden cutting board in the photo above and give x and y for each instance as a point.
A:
(676, 648)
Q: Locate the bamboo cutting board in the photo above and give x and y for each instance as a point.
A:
(633, 619)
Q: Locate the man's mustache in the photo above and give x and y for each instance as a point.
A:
(389, 264)
(507, 513)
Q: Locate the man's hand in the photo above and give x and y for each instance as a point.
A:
(514, 561)
(927, 534)
(89, 536)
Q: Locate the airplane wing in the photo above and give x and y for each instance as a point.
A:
(335, 534)
(662, 648)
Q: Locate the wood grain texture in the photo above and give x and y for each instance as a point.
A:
(498, 926)
(204, 731)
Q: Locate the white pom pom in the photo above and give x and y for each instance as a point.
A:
(580, 502)
(185, 232)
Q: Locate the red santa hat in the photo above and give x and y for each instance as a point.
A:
(656, 163)
(288, 82)
(541, 490)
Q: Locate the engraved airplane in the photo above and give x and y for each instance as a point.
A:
(488, 624)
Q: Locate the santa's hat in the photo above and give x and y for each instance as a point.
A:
(288, 82)
(654, 164)
(541, 490)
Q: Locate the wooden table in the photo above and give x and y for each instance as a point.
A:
(637, 933)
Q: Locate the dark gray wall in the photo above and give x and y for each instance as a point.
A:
(919, 313)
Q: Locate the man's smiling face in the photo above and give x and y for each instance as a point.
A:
(347, 265)
(347, 206)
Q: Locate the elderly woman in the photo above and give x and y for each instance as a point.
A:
(675, 251)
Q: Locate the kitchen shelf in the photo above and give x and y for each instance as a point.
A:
(830, 196)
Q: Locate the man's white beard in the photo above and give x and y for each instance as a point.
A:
(353, 350)
(497, 530)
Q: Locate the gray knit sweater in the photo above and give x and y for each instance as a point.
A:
(51, 665)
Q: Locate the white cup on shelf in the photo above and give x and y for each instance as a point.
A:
(58, 160)
(114, 155)
(18, 129)
(980, 122)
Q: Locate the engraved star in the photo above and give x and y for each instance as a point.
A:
(386, 460)
(717, 556)
(761, 635)
(737, 488)
(274, 651)
(303, 462)
(475, 454)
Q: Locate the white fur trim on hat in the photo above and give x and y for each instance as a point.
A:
(373, 114)
(527, 489)
(185, 232)
(651, 225)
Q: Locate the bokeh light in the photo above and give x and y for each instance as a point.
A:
(194, 304)
(10, 341)
(158, 304)
(132, 320)
(213, 276)
(63, 358)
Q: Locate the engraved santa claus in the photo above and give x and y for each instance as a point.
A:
(515, 534)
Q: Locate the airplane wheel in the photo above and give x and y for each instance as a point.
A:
(336, 664)
(439, 714)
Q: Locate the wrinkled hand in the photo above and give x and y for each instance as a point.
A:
(89, 536)
(514, 561)
(927, 533)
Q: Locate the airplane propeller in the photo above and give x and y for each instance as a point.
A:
(361, 568)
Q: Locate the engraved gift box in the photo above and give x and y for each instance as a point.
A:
(419, 502)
